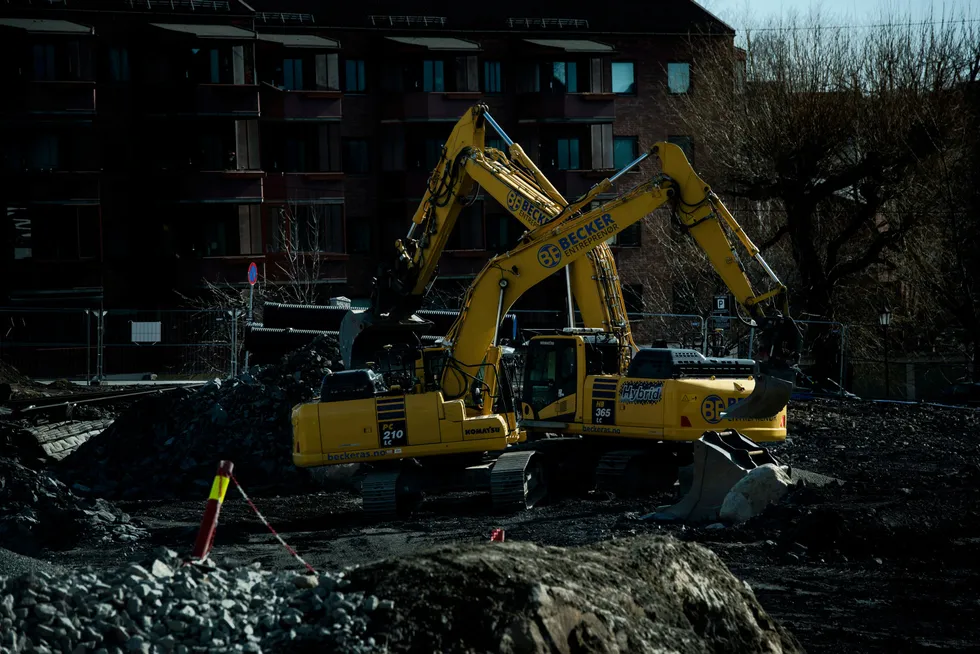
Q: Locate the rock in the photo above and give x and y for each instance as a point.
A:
(45, 611)
(755, 491)
(305, 581)
(160, 569)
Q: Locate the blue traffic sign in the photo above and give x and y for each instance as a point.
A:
(253, 273)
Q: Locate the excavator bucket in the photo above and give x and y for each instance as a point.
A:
(780, 343)
(362, 335)
(720, 460)
(771, 394)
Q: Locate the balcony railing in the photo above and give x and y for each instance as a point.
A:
(428, 106)
(240, 101)
(217, 186)
(284, 187)
(62, 98)
(300, 105)
(567, 107)
(51, 187)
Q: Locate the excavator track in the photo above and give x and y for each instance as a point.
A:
(517, 481)
(379, 493)
(631, 472)
(611, 473)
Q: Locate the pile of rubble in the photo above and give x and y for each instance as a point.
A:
(171, 444)
(639, 595)
(163, 606)
(39, 512)
(633, 595)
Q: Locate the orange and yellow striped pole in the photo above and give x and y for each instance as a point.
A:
(205, 536)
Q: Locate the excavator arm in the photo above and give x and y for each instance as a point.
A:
(560, 243)
(517, 184)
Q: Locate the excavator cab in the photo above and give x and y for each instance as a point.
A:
(550, 377)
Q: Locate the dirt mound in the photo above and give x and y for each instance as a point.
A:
(636, 595)
(39, 512)
(171, 444)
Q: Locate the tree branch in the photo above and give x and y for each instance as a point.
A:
(775, 238)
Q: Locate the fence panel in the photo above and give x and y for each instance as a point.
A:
(49, 343)
(173, 344)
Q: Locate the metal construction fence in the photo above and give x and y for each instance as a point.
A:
(87, 344)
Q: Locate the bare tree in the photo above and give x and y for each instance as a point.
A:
(944, 266)
(828, 139)
(301, 240)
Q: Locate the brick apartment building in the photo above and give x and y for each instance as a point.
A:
(147, 145)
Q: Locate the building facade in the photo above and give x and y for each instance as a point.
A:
(150, 145)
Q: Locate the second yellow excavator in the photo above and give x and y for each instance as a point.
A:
(430, 416)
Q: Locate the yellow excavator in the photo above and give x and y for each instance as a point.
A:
(425, 417)
(515, 182)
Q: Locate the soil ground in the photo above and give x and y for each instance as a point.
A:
(884, 563)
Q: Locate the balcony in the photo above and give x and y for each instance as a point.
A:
(283, 187)
(51, 98)
(37, 274)
(300, 105)
(567, 107)
(219, 186)
(51, 187)
(236, 100)
(423, 107)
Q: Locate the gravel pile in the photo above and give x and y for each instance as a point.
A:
(37, 511)
(171, 444)
(636, 595)
(162, 606)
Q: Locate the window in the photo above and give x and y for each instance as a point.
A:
(65, 233)
(491, 77)
(468, 232)
(298, 158)
(118, 64)
(292, 74)
(433, 79)
(360, 234)
(623, 81)
(44, 62)
(633, 298)
(357, 159)
(433, 152)
(568, 154)
(502, 230)
(624, 151)
(679, 77)
(564, 77)
(629, 237)
(354, 76)
(685, 144)
(42, 154)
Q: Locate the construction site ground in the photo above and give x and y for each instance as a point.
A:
(884, 563)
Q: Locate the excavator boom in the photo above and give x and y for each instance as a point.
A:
(519, 186)
(557, 244)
